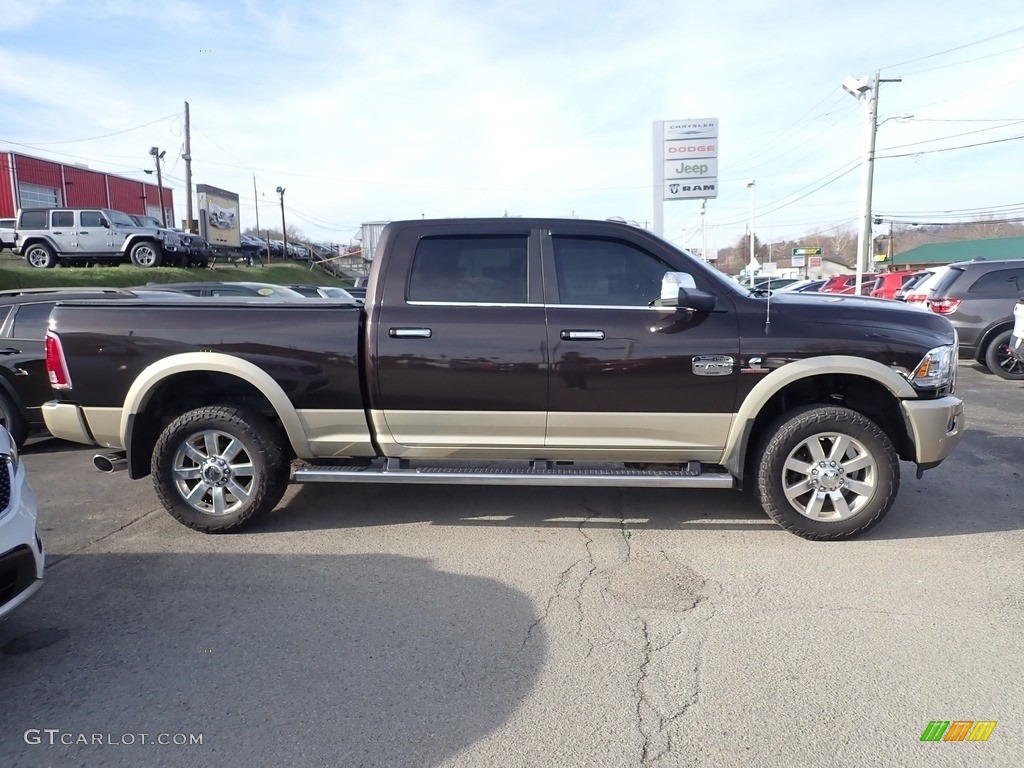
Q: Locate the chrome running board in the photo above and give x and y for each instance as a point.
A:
(538, 473)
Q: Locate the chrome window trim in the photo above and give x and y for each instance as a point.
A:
(608, 306)
(546, 306)
(467, 304)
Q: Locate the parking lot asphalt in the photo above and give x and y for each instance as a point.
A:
(490, 626)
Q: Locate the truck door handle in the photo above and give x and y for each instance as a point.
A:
(582, 335)
(409, 333)
(10, 351)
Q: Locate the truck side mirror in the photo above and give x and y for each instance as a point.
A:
(679, 291)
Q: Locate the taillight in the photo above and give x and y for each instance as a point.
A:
(56, 366)
(944, 306)
(916, 298)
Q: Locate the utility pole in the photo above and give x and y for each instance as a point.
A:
(284, 230)
(860, 89)
(704, 230)
(864, 243)
(752, 266)
(256, 199)
(187, 157)
(158, 156)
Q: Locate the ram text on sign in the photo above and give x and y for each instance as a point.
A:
(688, 189)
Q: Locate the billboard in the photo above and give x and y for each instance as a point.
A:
(686, 158)
(218, 216)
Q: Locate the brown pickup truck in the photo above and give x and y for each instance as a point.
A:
(552, 352)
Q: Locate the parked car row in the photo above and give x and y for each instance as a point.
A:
(978, 297)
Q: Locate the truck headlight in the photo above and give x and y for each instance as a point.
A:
(937, 369)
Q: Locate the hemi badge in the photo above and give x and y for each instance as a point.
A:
(713, 365)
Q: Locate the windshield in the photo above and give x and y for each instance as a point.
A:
(116, 217)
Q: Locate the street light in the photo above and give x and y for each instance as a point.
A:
(158, 156)
(284, 231)
(753, 265)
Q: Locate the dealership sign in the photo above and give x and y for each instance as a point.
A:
(688, 153)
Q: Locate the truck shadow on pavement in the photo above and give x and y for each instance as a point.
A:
(355, 506)
(344, 660)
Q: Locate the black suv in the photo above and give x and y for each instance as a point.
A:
(24, 383)
(978, 297)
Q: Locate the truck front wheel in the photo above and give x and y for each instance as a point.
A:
(826, 473)
(218, 467)
(146, 254)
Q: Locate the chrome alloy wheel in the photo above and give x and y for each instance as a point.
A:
(829, 477)
(146, 255)
(213, 472)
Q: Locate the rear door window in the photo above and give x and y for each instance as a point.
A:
(62, 219)
(470, 269)
(1007, 282)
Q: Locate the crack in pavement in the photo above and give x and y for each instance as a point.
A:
(563, 579)
(655, 725)
(52, 561)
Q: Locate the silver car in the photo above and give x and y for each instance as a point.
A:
(21, 550)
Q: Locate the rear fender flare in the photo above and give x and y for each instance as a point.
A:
(28, 242)
(216, 362)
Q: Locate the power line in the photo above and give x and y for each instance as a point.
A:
(950, 149)
(966, 61)
(956, 48)
(97, 138)
(951, 136)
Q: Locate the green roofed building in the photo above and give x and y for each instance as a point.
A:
(937, 254)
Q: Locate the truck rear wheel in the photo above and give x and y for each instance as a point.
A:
(40, 255)
(826, 473)
(218, 467)
(146, 254)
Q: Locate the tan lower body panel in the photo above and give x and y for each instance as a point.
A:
(105, 425)
(336, 433)
(455, 430)
(631, 431)
(642, 437)
(65, 420)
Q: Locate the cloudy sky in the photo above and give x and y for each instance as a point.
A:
(370, 110)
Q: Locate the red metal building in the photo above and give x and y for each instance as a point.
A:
(31, 182)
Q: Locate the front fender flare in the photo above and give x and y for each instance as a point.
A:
(215, 362)
(739, 434)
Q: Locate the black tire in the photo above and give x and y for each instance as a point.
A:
(845, 498)
(1000, 359)
(172, 464)
(146, 254)
(12, 419)
(41, 256)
